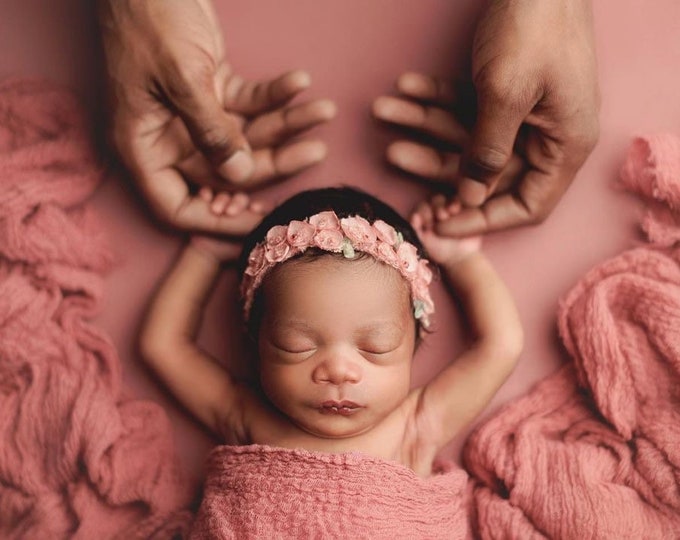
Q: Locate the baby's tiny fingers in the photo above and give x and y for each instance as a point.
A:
(206, 194)
(259, 206)
(238, 203)
(220, 202)
(425, 217)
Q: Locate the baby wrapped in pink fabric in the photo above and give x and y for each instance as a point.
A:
(265, 492)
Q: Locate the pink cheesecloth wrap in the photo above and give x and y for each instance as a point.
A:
(592, 452)
(76, 459)
(260, 491)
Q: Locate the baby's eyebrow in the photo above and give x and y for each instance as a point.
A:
(293, 324)
(381, 327)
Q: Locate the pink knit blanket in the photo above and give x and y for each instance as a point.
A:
(593, 452)
(76, 460)
(256, 491)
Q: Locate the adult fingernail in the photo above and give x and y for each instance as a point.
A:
(471, 192)
(238, 167)
(383, 107)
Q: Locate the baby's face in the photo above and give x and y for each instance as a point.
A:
(336, 344)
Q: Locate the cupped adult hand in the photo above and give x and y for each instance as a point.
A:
(535, 77)
(181, 118)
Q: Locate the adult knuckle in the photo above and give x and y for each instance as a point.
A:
(185, 83)
(489, 159)
(215, 141)
(495, 85)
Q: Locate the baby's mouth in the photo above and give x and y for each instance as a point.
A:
(343, 408)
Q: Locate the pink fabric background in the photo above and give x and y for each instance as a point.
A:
(354, 50)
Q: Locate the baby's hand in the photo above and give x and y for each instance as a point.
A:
(228, 204)
(443, 250)
(231, 204)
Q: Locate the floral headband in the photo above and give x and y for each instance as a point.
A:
(327, 232)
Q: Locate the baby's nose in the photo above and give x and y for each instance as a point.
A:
(337, 370)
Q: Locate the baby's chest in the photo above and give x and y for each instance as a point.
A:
(393, 440)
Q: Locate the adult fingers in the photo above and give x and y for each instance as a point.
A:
(196, 215)
(427, 88)
(273, 128)
(429, 120)
(250, 97)
(216, 133)
(426, 162)
(423, 161)
(269, 164)
(530, 203)
(272, 163)
(490, 147)
(169, 198)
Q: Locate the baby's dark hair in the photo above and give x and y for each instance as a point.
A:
(345, 202)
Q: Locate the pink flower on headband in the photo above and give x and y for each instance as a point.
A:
(300, 234)
(256, 260)
(385, 232)
(408, 258)
(325, 221)
(421, 285)
(386, 253)
(359, 232)
(329, 240)
(276, 246)
(424, 272)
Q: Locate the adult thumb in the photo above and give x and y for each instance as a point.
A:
(216, 133)
(488, 151)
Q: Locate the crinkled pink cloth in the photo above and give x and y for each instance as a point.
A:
(593, 452)
(256, 491)
(76, 461)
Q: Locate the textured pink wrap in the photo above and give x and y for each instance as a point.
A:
(265, 492)
(76, 460)
(594, 450)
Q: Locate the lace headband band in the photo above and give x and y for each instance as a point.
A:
(327, 232)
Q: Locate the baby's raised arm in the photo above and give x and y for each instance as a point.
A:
(462, 390)
(167, 339)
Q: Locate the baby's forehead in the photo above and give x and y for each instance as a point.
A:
(341, 278)
(362, 267)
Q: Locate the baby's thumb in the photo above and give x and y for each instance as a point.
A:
(487, 153)
(216, 133)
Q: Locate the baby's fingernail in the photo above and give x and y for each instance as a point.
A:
(205, 194)
(454, 207)
(238, 167)
(471, 192)
(218, 205)
(442, 214)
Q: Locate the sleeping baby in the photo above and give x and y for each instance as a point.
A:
(332, 441)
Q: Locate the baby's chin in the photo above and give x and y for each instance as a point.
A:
(338, 428)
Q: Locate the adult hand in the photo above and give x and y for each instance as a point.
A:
(181, 118)
(534, 73)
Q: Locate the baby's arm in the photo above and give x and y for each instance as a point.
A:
(167, 339)
(462, 390)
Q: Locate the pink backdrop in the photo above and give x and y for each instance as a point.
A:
(354, 50)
